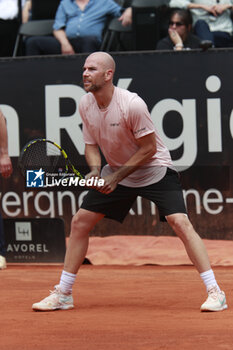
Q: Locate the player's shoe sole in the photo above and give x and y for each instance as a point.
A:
(36, 307)
(211, 309)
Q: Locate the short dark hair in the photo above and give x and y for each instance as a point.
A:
(185, 16)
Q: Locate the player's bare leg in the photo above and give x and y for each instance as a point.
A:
(82, 223)
(193, 243)
(61, 297)
(197, 253)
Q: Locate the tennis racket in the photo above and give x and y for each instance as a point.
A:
(48, 155)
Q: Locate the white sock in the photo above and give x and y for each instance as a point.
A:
(209, 279)
(66, 282)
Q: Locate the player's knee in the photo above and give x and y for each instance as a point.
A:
(79, 226)
(181, 225)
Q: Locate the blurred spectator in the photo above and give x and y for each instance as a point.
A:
(78, 27)
(26, 13)
(179, 32)
(212, 19)
(9, 24)
(5, 170)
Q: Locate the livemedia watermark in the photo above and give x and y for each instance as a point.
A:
(41, 179)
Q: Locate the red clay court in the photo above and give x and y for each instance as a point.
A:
(120, 307)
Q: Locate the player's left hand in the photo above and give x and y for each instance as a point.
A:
(110, 183)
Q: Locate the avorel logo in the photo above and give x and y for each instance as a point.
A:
(23, 231)
(35, 240)
(23, 235)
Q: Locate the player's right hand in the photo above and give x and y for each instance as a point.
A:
(5, 166)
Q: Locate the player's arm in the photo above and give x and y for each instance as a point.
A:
(147, 148)
(93, 158)
(5, 162)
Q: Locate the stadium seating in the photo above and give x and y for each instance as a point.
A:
(32, 28)
(149, 19)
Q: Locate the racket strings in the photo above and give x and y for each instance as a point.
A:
(43, 155)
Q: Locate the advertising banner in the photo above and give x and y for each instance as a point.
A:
(189, 96)
(35, 240)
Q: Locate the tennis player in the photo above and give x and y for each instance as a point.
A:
(5, 171)
(138, 164)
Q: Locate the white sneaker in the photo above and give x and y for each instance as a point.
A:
(55, 301)
(216, 300)
(2, 262)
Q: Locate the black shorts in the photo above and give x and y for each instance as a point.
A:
(166, 194)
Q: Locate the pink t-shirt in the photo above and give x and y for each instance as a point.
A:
(116, 129)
